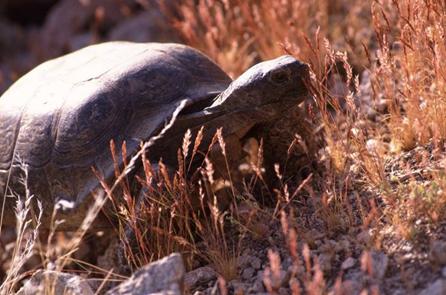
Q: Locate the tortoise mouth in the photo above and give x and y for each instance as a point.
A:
(199, 114)
(196, 107)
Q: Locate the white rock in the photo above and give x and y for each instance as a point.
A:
(348, 263)
(436, 288)
(165, 275)
(58, 282)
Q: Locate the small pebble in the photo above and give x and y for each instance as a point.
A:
(348, 263)
(248, 273)
(255, 262)
(438, 252)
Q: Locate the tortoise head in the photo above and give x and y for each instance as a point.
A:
(276, 83)
(261, 94)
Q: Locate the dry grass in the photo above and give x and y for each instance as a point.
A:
(27, 237)
(175, 214)
(378, 71)
(399, 46)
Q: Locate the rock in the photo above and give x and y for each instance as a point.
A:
(12, 39)
(351, 287)
(380, 261)
(72, 24)
(257, 286)
(344, 244)
(243, 261)
(366, 101)
(199, 277)
(443, 272)
(437, 253)
(248, 273)
(348, 263)
(364, 237)
(113, 257)
(69, 18)
(338, 87)
(165, 276)
(376, 147)
(15, 58)
(276, 281)
(382, 105)
(58, 283)
(255, 262)
(246, 261)
(8, 235)
(436, 288)
(81, 40)
(365, 98)
(325, 261)
(238, 287)
(147, 26)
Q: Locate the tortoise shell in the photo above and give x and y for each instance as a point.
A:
(57, 121)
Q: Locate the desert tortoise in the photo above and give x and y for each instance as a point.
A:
(59, 118)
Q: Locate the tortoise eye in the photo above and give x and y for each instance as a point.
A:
(280, 77)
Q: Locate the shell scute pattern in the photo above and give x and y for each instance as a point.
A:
(60, 117)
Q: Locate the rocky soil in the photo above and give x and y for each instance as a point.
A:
(34, 31)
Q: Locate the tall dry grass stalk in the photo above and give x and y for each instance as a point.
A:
(27, 230)
(56, 258)
(236, 33)
(172, 213)
(410, 70)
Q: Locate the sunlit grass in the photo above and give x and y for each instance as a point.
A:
(398, 47)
